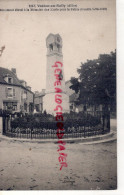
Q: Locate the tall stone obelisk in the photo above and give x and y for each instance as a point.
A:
(54, 54)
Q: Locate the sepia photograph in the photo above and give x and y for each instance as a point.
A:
(58, 108)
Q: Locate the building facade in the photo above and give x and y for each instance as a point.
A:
(38, 101)
(73, 98)
(15, 95)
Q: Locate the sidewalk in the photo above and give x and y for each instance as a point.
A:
(88, 140)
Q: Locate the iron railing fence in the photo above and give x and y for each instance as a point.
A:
(48, 129)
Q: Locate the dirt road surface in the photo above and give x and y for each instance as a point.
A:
(35, 166)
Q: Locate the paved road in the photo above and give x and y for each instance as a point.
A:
(35, 166)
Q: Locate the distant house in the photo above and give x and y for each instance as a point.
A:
(72, 98)
(73, 101)
(38, 100)
(15, 95)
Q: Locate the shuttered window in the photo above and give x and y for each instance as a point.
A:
(10, 92)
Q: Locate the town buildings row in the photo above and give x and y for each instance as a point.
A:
(16, 96)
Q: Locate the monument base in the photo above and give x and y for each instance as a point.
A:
(49, 103)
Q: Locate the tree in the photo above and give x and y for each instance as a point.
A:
(96, 83)
(1, 50)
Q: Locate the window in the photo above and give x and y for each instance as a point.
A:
(10, 106)
(14, 92)
(10, 80)
(24, 95)
(25, 107)
(37, 107)
(51, 47)
(14, 107)
(31, 107)
(10, 92)
(58, 47)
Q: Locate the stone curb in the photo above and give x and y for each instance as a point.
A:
(89, 140)
(100, 141)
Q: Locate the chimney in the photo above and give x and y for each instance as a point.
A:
(43, 91)
(23, 83)
(29, 88)
(36, 92)
(13, 70)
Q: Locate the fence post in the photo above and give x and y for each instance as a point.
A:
(103, 121)
(4, 125)
(31, 131)
(84, 132)
(108, 121)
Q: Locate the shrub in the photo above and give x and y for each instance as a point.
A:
(47, 121)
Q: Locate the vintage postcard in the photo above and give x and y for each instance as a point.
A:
(58, 95)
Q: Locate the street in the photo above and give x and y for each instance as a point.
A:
(35, 166)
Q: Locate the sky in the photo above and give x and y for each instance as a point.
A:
(85, 35)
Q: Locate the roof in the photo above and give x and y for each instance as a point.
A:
(40, 94)
(3, 72)
(53, 35)
(16, 81)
